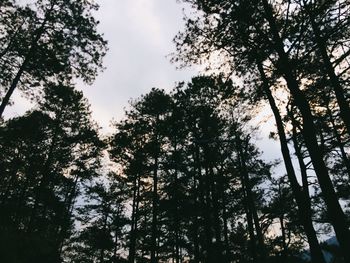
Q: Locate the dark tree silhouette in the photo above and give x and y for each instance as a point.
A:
(49, 41)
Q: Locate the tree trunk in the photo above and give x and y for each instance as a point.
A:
(102, 250)
(136, 198)
(283, 233)
(45, 179)
(61, 229)
(299, 155)
(115, 249)
(250, 200)
(154, 209)
(206, 213)
(221, 191)
(176, 217)
(218, 249)
(252, 236)
(26, 60)
(131, 255)
(196, 201)
(12, 88)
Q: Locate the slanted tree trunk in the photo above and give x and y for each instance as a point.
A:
(13, 86)
(25, 62)
(300, 157)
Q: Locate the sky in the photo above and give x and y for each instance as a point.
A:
(139, 34)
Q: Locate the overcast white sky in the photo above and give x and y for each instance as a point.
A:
(140, 34)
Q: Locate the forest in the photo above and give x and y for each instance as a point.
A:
(181, 179)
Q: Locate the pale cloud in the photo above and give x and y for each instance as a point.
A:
(140, 34)
(145, 22)
(21, 105)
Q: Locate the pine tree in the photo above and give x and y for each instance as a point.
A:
(102, 219)
(47, 154)
(267, 36)
(47, 41)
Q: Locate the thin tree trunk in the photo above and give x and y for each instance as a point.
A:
(155, 206)
(136, 200)
(45, 172)
(196, 201)
(284, 243)
(61, 230)
(13, 86)
(250, 200)
(221, 191)
(131, 255)
(115, 249)
(105, 222)
(298, 153)
(252, 236)
(176, 217)
(26, 60)
(217, 222)
(207, 214)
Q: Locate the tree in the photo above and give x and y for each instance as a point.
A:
(103, 222)
(335, 15)
(46, 155)
(281, 209)
(49, 41)
(127, 150)
(200, 180)
(269, 36)
(147, 116)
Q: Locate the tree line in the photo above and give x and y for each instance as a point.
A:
(181, 179)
